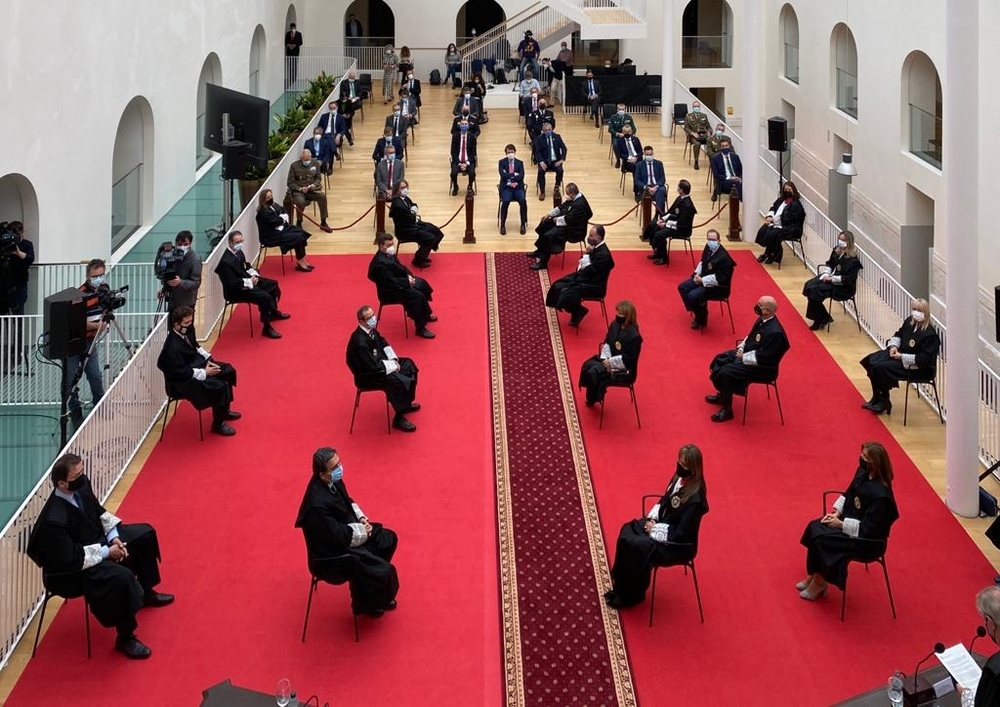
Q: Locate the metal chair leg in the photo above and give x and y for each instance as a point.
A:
(357, 402)
(885, 573)
(305, 625)
(777, 397)
(86, 621)
(697, 592)
(843, 603)
(41, 620)
(635, 404)
(652, 597)
(166, 414)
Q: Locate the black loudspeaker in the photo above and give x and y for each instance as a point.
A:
(777, 134)
(66, 323)
(234, 160)
(996, 310)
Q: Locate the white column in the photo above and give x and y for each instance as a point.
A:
(668, 44)
(960, 85)
(751, 38)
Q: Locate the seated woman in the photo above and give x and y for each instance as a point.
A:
(837, 279)
(783, 222)
(618, 360)
(479, 91)
(911, 352)
(276, 231)
(857, 527)
(668, 534)
(453, 60)
(411, 229)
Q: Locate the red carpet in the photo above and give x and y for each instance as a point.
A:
(225, 509)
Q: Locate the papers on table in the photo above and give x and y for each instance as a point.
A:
(961, 665)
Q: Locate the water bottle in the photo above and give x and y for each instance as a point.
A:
(895, 689)
(293, 701)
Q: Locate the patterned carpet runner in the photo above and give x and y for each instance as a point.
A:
(562, 645)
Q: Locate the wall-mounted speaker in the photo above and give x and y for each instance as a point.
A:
(777, 134)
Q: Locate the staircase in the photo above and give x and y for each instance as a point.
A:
(606, 19)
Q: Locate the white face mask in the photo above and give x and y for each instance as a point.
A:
(404, 191)
(391, 250)
(842, 243)
(183, 248)
(511, 155)
(371, 322)
(238, 246)
(648, 158)
(917, 315)
(306, 162)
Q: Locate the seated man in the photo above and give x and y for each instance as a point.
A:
(468, 103)
(616, 125)
(410, 228)
(84, 549)
(385, 141)
(322, 147)
(351, 100)
(334, 127)
(677, 222)
(334, 525)
(589, 280)
(714, 142)
(456, 124)
(592, 90)
(696, 128)
(512, 188)
(550, 153)
(242, 283)
(395, 284)
(389, 172)
(306, 185)
(711, 280)
(463, 156)
(408, 106)
(536, 118)
(650, 178)
(565, 224)
(629, 150)
(377, 367)
(398, 123)
(529, 104)
(413, 86)
(727, 168)
(191, 374)
(755, 359)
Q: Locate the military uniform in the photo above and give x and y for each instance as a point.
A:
(714, 144)
(697, 129)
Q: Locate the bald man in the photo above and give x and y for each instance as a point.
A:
(755, 359)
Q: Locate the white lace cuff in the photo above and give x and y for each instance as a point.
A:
(654, 512)
(659, 532)
(199, 374)
(357, 511)
(851, 527)
(709, 281)
(894, 341)
(750, 358)
(92, 555)
(909, 360)
(360, 535)
(109, 521)
(838, 505)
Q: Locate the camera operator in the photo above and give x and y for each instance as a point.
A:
(16, 255)
(92, 366)
(186, 272)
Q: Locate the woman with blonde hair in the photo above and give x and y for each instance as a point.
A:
(837, 279)
(912, 352)
(390, 63)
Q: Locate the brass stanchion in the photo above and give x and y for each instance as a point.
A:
(734, 215)
(470, 210)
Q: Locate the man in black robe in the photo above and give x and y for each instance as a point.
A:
(242, 283)
(192, 374)
(988, 690)
(334, 526)
(85, 550)
(395, 284)
(377, 367)
(564, 224)
(711, 280)
(589, 280)
(756, 359)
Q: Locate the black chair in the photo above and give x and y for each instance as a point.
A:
(732, 325)
(75, 594)
(406, 326)
(631, 390)
(878, 546)
(172, 397)
(655, 101)
(801, 253)
(604, 309)
(357, 403)
(773, 383)
(685, 564)
(365, 84)
(607, 110)
(680, 113)
(686, 241)
(916, 377)
(230, 306)
(843, 299)
(262, 254)
(335, 571)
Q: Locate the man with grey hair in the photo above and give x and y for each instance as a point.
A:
(987, 691)
(342, 542)
(754, 360)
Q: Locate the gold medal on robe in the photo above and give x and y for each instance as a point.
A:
(857, 502)
(757, 338)
(675, 502)
(618, 346)
(837, 269)
(711, 266)
(913, 343)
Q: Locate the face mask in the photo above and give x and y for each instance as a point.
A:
(758, 311)
(306, 163)
(97, 281)
(863, 463)
(842, 244)
(593, 242)
(648, 158)
(696, 109)
(404, 191)
(682, 472)
(78, 483)
(621, 112)
(620, 319)
(391, 250)
(318, 136)
(396, 113)
(713, 245)
(511, 156)
(464, 128)
(388, 52)
(917, 315)
(542, 106)
(788, 194)
(238, 247)
(562, 46)
(719, 133)
(409, 76)
(269, 200)
(465, 113)
(184, 248)
(468, 95)
(390, 157)
(371, 322)
(726, 150)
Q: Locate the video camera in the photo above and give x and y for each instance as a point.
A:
(165, 263)
(109, 299)
(8, 239)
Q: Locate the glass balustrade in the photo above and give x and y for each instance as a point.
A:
(706, 52)
(925, 135)
(847, 93)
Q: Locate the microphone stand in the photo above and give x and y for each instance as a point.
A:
(916, 689)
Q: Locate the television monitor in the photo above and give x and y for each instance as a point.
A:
(249, 118)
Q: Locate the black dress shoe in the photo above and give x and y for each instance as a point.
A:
(454, 189)
(132, 648)
(233, 415)
(223, 429)
(403, 425)
(713, 399)
(697, 325)
(302, 268)
(432, 318)
(654, 256)
(326, 229)
(503, 230)
(280, 315)
(375, 613)
(723, 415)
(659, 261)
(696, 166)
(271, 333)
(425, 333)
(762, 257)
(538, 266)
(524, 229)
(157, 599)
(414, 407)
(541, 196)
(391, 606)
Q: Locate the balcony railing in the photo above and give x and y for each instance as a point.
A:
(926, 134)
(847, 93)
(126, 206)
(791, 63)
(707, 52)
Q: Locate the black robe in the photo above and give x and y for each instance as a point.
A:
(392, 283)
(636, 552)
(924, 343)
(769, 342)
(623, 341)
(592, 281)
(177, 360)
(988, 692)
(793, 218)
(817, 291)
(365, 354)
(324, 516)
(288, 238)
(411, 229)
(828, 549)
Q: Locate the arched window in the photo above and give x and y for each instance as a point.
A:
(707, 27)
(211, 72)
(258, 60)
(789, 25)
(844, 55)
(131, 171)
(922, 109)
(476, 17)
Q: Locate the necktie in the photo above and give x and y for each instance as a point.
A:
(631, 147)
(242, 258)
(552, 149)
(510, 166)
(729, 166)
(395, 126)
(534, 103)
(352, 88)
(466, 101)
(316, 147)
(78, 500)
(462, 157)
(649, 166)
(390, 175)
(591, 89)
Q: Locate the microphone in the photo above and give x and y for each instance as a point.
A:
(938, 648)
(918, 690)
(980, 632)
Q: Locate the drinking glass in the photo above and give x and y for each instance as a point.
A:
(895, 690)
(283, 693)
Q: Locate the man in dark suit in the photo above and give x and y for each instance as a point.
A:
(592, 91)
(242, 283)
(512, 188)
(395, 284)
(711, 280)
(456, 125)
(412, 84)
(84, 549)
(321, 146)
(550, 153)
(293, 42)
(677, 222)
(192, 374)
(650, 178)
(755, 359)
(589, 280)
(351, 98)
(353, 31)
(333, 125)
(399, 123)
(377, 367)
(334, 526)
(468, 103)
(536, 118)
(629, 150)
(463, 156)
(727, 168)
(530, 103)
(389, 171)
(562, 225)
(385, 141)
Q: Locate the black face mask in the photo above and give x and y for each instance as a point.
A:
(863, 463)
(682, 472)
(78, 483)
(758, 311)
(620, 320)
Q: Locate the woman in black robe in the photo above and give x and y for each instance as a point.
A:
(410, 228)
(277, 232)
(911, 352)
(618, 359)
(857, 527)
(667, 535)
(838, 279)
(783, 222)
